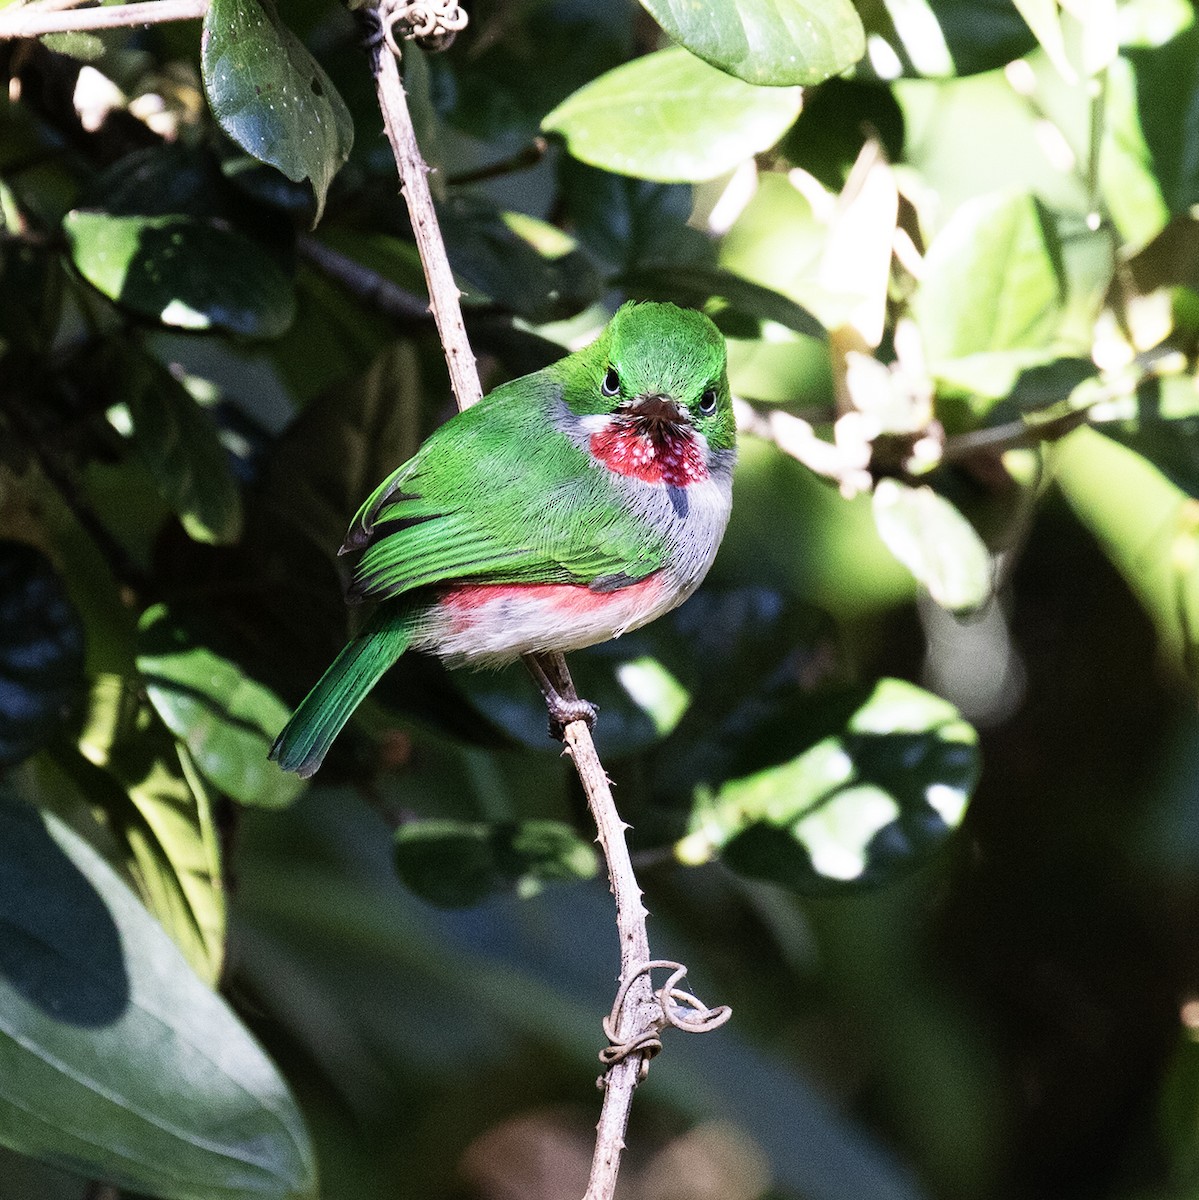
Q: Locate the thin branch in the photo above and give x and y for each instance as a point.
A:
(522, 160)
(414, 181)
(365, 285)
(29, 22)
(639, 1013)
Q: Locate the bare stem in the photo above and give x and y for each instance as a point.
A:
(34, 21)
(414, 181)
(639, 1012)
(364, 284)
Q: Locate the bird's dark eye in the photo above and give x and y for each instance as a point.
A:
(611, 384)
(707, 402)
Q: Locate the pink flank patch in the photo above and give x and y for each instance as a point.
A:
(549, 606)
(673, 459)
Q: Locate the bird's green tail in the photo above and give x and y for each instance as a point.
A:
(306, 738)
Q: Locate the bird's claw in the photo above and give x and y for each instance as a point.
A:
(563, 711)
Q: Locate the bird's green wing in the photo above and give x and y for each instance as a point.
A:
(498, 495)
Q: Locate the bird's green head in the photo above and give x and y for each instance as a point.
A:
(662, 362)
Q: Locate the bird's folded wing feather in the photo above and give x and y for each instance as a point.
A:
(496, 503)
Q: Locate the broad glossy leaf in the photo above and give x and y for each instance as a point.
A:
(179, 442)
(1161, 423)
(271, 96)
(150, 799)
(773, 42)
(41, 652)
(627, 222)
(182, 271)
(498, 254)
(928, 534)
(672, 118)
(226, 719)
(860, 806)
(992, 293)
(457, 863)
(941, 38)
(115, 1059)
(699, 286)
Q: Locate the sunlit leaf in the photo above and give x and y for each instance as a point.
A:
(179, 442)
(117, 1060)
(182, 271)
(860, 806)
(271, 96)
(670, 117)
(226, 720)
(991, 295)
(928, 534)
(765, 41)
(41, 652)
(457, 863)
(148, 796)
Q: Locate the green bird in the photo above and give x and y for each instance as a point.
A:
(563, 509)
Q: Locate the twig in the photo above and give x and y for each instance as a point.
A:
(31, 22)
(364, 284)
(641, 1013)
(522, 160)
(414, 182)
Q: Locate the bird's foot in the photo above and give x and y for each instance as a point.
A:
(560, 699)
(563, 711)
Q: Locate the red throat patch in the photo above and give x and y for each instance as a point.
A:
(657, 456)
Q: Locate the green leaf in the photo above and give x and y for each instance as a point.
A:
(1161, 423)
(182, 271)
(226, 720)
(670, 117)
(41, 652)
(271, 96)
(458, 863)
(498, 254)
(180, 444)
(862, 805)
(698, 286)
(928, 534)
(941, 38)
(992, 294)
(146, 792)
(765, 41)
(117, 1060)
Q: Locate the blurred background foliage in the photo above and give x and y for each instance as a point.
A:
(912, 779)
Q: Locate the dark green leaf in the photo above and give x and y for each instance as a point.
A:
(458, 863)
(928, 534)
(181, 271)
(118, 1060)
(859, 807)
(698, 287)
(628, 222)
(179, 443)
(1161, 423)
(41, 652)
(765, 41)
(521, 264)
(940, 38)
(271, 96)
(226, 720)
(670, 117)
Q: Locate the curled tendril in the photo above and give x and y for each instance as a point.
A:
(432, 24)
(678, 1008)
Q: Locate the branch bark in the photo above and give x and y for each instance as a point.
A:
(640, 1012)
(31, 21)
